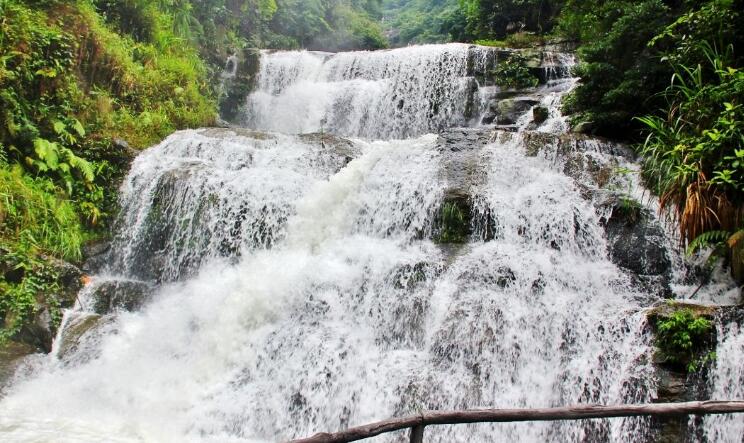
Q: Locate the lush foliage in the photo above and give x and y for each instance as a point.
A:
(73, 80)
(681, 338)
(35, 214)
(453, 224)
(70, 86)
(620, 74)
(329, 24)
(694, 155)
(35, 220)
(424, 21)
(512, 23)
(514, 73)
(220, 27)
(694, 126)
(487, 19)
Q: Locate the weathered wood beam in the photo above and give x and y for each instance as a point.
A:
(417, 434)
(580, 412)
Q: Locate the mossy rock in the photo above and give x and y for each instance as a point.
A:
(685, 335)
(119, 295)
(238, 88)
(76, 332)
(453, 224)
(540, 114)
(11, 356)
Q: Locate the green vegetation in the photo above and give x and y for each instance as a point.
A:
(221, 27)
(35, 219)
(517, 40)
(489, 19)
(424, 21)
(621, 76)
(454, 225)
(693, 152)
(328, 25)
(71, 82)
(682, 339)
(514, 73)
(503, 23)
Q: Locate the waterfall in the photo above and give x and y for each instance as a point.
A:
(294, 282)
(383, 94)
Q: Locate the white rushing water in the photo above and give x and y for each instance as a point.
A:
(301, 289)
(383, 94)
(727, 381)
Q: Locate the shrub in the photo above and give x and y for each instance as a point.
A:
(514, 73)
(681, 339)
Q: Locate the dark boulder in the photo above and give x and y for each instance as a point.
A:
(239, 84)
(41, 327)
(584, 128)
(540, 114)
(12, 355)
(508, 111)
(636, 243)
(80, 337)
(70, 280)
(39, 331)
(116, 295)
(96, 255)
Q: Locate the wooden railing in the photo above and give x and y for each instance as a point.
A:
(417, 423)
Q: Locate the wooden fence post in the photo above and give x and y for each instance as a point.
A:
(417, 434)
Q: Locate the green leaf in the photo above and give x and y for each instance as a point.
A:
(78, 127)
(59, 127)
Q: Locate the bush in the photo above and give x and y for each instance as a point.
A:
(681, 339)
(514, 73)
(620, 74)
(36, 221)
(36, 215)
(693, 155)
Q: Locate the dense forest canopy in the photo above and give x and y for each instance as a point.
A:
(79, 76)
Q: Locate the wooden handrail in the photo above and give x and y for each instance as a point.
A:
(580, 412)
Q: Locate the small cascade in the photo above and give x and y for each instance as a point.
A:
(727, 381)
(207, 194)
(231, 67)
(385, 94)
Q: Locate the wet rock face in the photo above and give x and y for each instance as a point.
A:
(240, 84)
(540, 114)
(116, 295)
(40, 331)
(12, 355)
(636, 243)
(96, 255)
(508, 111)
(70, 281)
(462, 168)
(81, 337)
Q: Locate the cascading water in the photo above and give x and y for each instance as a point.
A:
(727, 381)
(302, 289)
(384, 94)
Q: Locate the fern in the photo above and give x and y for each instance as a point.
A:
(708, 239)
